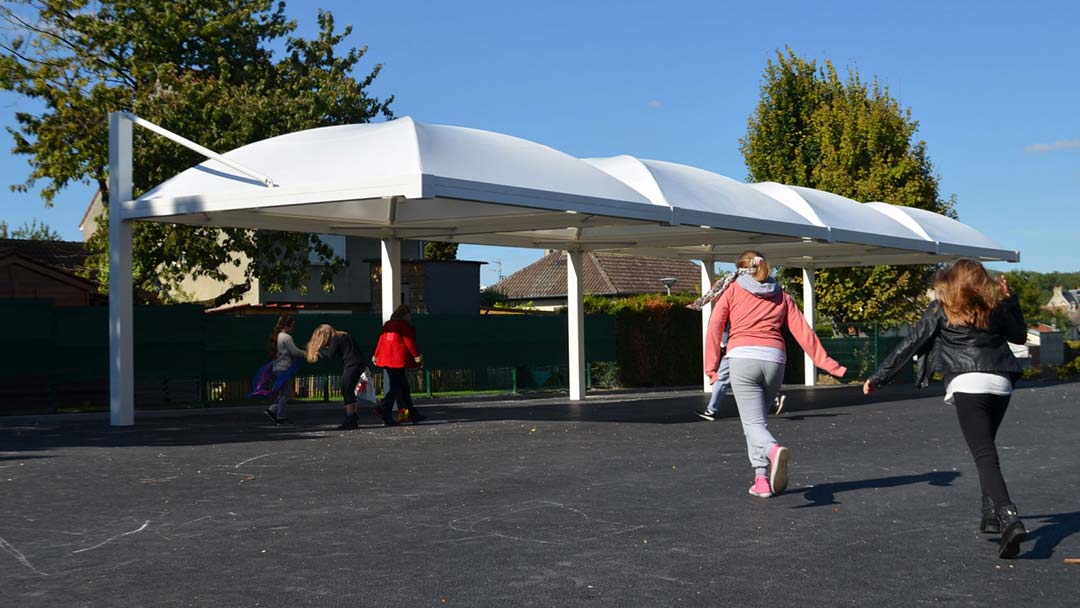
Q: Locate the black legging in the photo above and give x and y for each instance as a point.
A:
(980, 415)
(350, 376)
(398, 391)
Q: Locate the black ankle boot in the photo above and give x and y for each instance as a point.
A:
(1013, 531)
(350, 423)
(989, 523)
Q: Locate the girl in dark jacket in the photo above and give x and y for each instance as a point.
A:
(327, 342)
(395, 353)
(965, 335)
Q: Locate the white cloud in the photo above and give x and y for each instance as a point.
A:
(654, 104)
(1057, 145)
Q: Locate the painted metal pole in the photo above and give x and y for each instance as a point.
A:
(391, 277)
(808, 276)
(207, 152)
(708, 275)
(121, 295)
(576, 323)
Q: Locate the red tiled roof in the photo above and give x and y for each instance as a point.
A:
(608, 274)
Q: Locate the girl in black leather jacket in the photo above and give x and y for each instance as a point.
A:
(965, 336)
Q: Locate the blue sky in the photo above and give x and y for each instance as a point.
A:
(994, 85)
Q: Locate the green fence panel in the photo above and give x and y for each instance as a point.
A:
(467, 341)
(68, 347)
(168, 342)
(81, 343)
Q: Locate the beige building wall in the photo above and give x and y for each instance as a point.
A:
(200, 289)
(89, 222)
(352, 285)
(205, 289)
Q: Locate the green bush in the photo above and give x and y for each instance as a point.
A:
(604, 374)
(657, 338)
(1072, 350)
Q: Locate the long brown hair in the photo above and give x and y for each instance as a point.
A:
(283, 321)
(967, 294)
(400, 312)
(319, 339)
(748, 258)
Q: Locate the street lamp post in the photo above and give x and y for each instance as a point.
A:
(668, 282)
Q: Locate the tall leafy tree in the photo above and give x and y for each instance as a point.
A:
(1024, 284)
(32, 231)
(813, 128)
(439, 250)
(203, 68)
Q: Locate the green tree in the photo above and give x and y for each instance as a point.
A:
(1024, 284)
(491, 297)
(438, 250)
(811, 128)
(32, 230)
(202, 68)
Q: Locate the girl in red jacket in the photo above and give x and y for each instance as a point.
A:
(395, 353)
(757, 309)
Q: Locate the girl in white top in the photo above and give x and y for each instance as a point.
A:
(284, 351)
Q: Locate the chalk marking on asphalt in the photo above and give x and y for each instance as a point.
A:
(458, 540)
(195, 520)
(109, 540)
(469, 525)
(13, 552)
(243, 462)
(98, 567)
(864, 541)
(670, 579)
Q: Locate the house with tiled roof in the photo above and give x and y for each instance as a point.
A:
(1064, 299)
(46, 270)
(543, 283)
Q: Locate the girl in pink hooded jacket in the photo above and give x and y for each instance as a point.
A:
(757, 310)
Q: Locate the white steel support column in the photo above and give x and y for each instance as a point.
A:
(575, 319)
(708, 275)
(121, 313)
(391, 277)
(808, 312)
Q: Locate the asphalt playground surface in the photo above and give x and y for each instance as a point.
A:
(623, 500)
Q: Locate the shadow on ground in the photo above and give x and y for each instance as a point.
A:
(825, 494)
(233, 426)
(1054, 528)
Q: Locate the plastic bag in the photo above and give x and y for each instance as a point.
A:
(365, 389)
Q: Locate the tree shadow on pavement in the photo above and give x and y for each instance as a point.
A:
(1055, 528)
(825, 494)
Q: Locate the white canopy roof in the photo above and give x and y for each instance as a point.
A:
(407, 179)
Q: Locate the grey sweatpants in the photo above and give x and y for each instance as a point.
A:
(755, 384)
(719, 388)
(281, 399)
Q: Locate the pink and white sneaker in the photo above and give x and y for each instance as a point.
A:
(761, 487)
(778, 461)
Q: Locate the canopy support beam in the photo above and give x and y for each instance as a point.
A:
(121, 296)
(190, 145)
(391, 276)
(708, 275)
(809, 275)
(575, 320)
